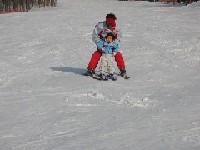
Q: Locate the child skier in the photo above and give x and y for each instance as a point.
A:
(108, 48)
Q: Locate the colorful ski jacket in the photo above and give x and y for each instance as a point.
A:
(107, 48)
(101, 30)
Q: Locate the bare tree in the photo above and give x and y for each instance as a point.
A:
(23, 5)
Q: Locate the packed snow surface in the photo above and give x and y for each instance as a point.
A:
(46, 104)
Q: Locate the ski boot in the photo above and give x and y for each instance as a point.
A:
(103, 77)
(112, 77)
(123, 72)
(90, 73)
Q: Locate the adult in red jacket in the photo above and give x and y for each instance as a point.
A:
(99, 33)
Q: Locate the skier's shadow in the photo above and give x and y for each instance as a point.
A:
(74, 70)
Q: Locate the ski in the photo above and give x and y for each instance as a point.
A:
(124, 76)
(113, 78)
(94, 76)
(97, 77)
(86, 74)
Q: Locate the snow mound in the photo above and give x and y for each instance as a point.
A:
(129, 100)
(86, 99)
(94, 94)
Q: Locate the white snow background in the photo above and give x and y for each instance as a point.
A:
(46, 104)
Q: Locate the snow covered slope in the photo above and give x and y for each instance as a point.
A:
(45, 103)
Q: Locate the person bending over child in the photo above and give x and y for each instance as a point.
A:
(100, 31)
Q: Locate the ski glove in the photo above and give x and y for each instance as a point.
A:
(114, 53)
